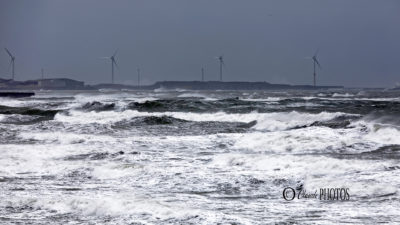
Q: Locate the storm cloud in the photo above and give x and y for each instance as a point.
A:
(359, 40)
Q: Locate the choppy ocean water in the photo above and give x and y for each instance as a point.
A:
(187, 157)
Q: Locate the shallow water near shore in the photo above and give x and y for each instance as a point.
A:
(199, 157)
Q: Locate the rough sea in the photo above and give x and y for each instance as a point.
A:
(199, 157)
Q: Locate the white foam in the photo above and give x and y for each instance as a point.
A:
(197, 95)
(142, 99)
(380, 99)
(285, 120)
(192, 95)
(162, 89)
(318, 168)
(19, 103)
(265, 121)
(384, 135)
(126, 205)
(116, 171)
(17, 160)
(346, 95)
(358, 99)
(11, 102)
(302, 104)
(319, 139)
(308, 140)
(314, 171)
(268, 99)
(64, 137)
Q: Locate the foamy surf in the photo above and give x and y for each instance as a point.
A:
(265, 121)
(182, 157)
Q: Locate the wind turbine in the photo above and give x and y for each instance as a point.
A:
(12, 62)
(221, 64)
(113, 62)
(315, 63)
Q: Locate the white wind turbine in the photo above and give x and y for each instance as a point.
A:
(113, 62)
(315, 63)
(12, 62)
(221, 64)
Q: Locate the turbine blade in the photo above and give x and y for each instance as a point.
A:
(115, 63)
(316, 52)
(222, 62)
(115, 53)
(315, 59)
(104, 57)
(9, 53)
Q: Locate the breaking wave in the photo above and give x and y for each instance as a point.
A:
(264, 121)
(27, 111)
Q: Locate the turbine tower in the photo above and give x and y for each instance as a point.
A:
(221, 64)
(12, 62)
(113, 62)
(202, 74)
(315, 62)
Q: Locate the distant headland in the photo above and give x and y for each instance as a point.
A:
(69, 84)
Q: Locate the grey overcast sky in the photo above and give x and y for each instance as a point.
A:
(262, 40)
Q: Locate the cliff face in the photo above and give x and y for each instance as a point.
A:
(216, 85)
(47, 84)
(17, 85)
(68, 84)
